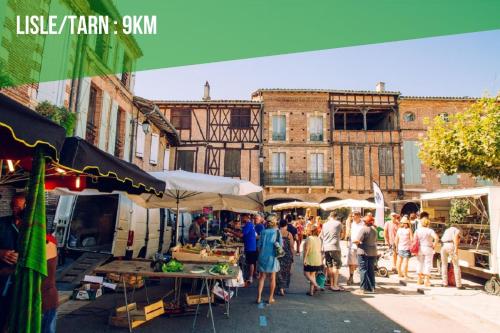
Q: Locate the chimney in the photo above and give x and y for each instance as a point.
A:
(380, 87)
(206, 92)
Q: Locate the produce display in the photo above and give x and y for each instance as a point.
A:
(172, 266)
(219, 269)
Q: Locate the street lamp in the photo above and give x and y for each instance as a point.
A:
(146, 127)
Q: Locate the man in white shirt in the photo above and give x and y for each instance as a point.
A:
(449, 249)
(352, 231)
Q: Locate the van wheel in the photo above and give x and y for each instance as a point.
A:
(492, 286)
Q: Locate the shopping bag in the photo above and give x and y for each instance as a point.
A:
(451, 275)
(320, 279)
(221, 293)
(415, 246)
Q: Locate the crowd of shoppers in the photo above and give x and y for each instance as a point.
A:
(270, 247)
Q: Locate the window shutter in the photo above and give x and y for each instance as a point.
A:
(232, 163)
(356, 161)
(155, 141)
(83, 107)
(413, 168)
(185, 160)
(166, 159)
(126, 143)
(103, 129)
(112, 128)
(141, 138)
(385, 161)
(449, 179)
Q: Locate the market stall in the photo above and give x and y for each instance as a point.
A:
(347, 203)
(476, 211)
(29, 142)
(207, 273)
(193, 191)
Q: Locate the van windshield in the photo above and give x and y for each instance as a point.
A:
(93, 223)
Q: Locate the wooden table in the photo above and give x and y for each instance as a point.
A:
(143, 268)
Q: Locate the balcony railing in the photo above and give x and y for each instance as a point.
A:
(279, 136)
(298, 179)
(316, 137)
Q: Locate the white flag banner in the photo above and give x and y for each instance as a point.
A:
(379, 201)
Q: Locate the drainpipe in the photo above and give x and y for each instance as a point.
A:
(79, 63)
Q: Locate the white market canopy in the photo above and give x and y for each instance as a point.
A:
(348, 203)
(193, 191)
(295, 204)
(460, 193)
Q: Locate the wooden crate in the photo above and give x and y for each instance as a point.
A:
(137, 316)
(197, 299)
(131, 281)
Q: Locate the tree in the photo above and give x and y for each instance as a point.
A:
(467, 142)
(59, 115)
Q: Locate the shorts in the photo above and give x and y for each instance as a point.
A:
(333, 258)
(308, 268)
(404, 253)
(352, 257)
(251, 257)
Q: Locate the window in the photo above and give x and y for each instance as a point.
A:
(232, 163)
(141, 140)
(155, 145)
(185, 160)
(316, 128)
(356, 161)
(484, 181)
(279, 165)
(444, 116)
(413, 167)
(385, 161)
(240, 118)
(316, 168)
(449, 179)
(279, 128)
(409, 117)
(90, 134)
(181, 119)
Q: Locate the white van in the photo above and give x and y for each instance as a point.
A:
(113, 224)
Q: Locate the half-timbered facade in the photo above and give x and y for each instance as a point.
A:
(218, 137)
(320, 145)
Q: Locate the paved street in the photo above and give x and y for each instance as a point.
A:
(394, 308)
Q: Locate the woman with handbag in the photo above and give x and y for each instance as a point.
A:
(425, 240)
(270, 248)
(312, 259)
(283, 278)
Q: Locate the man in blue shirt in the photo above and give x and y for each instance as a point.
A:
(249, 237)
(258, 221)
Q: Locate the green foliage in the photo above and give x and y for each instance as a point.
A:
(342, 213)
(5, 80)
(468, 142)
(58, 114)
(459, 210)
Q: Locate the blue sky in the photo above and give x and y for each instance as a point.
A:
(458, 65)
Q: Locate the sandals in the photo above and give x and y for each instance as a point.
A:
(337, 290)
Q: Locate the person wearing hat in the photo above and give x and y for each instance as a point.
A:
(404, 237)
(353, 226)
(366, 240)
(390, 230)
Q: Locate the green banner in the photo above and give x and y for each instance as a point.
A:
(47, 40)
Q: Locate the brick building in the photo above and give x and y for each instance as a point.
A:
(321, 145)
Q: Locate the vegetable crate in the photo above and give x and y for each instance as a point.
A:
(137, 316)
(131, 281)
(197, 299)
